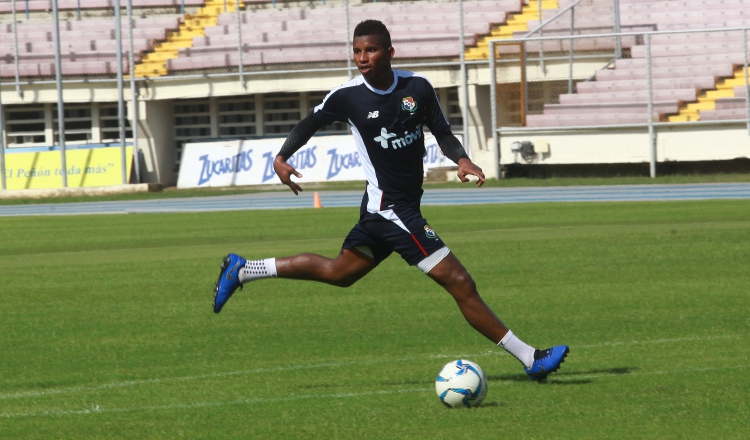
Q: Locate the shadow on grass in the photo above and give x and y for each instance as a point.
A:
(567, 378)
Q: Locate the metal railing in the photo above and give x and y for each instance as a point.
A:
(515, 55)
(245, 71)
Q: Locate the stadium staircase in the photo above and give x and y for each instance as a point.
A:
(707, 99)
(154, 64)
(516, 23)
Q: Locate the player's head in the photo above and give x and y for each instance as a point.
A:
(374, 28)
(373, 52)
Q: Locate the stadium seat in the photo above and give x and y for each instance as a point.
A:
(46, 5)
(632, 96)
(89, 41)
(585, 119)
(606, 107)
(276, 33)
(683, 66)
(672, 71)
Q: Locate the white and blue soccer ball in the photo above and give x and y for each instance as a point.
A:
(461, 383)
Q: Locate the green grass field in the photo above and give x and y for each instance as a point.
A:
(107, 330)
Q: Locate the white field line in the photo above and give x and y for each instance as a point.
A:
(495, 352)
(96, 409)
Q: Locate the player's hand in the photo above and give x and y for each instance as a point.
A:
(285, 172)
(467, 167)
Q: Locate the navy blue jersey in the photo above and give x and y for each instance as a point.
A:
(388, 129)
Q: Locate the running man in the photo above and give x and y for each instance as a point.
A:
(386, 110)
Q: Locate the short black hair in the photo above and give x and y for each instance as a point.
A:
(374, 27)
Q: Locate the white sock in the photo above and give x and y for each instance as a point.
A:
(257, 269)
(518, 348)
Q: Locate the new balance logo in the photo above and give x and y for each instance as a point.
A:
(373, 115)
(398, 142)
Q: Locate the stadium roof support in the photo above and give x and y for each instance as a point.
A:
(2, 142)
(60, 102)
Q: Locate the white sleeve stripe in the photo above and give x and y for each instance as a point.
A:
(351, 83)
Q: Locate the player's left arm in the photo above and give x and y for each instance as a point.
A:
(450, 145)
(466, 167)
(453, 150)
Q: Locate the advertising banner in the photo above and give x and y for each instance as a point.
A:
(250, 162)
(87, 165)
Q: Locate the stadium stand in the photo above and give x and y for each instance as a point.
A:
(209, 39)
(274, 36)
(64, 5)
(88, 47)
(694, 76)
(598, 18)
(513, 25)
(193, 25)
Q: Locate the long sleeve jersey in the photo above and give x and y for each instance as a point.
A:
(388, 129)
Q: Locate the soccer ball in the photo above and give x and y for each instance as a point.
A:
(461, 383)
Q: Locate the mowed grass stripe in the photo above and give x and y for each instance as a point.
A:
(97, 409)
(114, 312)
(339, 364)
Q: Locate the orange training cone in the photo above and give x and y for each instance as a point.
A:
(316, 200)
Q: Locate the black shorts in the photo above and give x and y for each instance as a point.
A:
(402, 230)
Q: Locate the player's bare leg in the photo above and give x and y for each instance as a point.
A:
(454, 277)
(343, 271)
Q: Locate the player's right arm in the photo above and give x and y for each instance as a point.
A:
(298, 137)
(329, 111)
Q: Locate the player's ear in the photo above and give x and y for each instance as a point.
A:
(391, 52)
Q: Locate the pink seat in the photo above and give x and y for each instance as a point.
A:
(629, 96)
(46, 5)
(715, 70)
(670, 6)
(611, 107)
(683, 61)
(685, 49)
(86, 68)
(727, 114)
(699, 82)
(731, 103)
(28, 69)
(585, 119)
(33, 5)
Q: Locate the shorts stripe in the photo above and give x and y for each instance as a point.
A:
(420, 246)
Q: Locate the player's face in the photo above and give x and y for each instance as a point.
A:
(373, 60)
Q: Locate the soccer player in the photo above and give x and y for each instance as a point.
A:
(386, 109)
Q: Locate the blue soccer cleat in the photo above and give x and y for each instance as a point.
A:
(229, 280)
(547, 361)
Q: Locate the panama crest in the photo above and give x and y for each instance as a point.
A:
(409, 104)
(429, 232)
